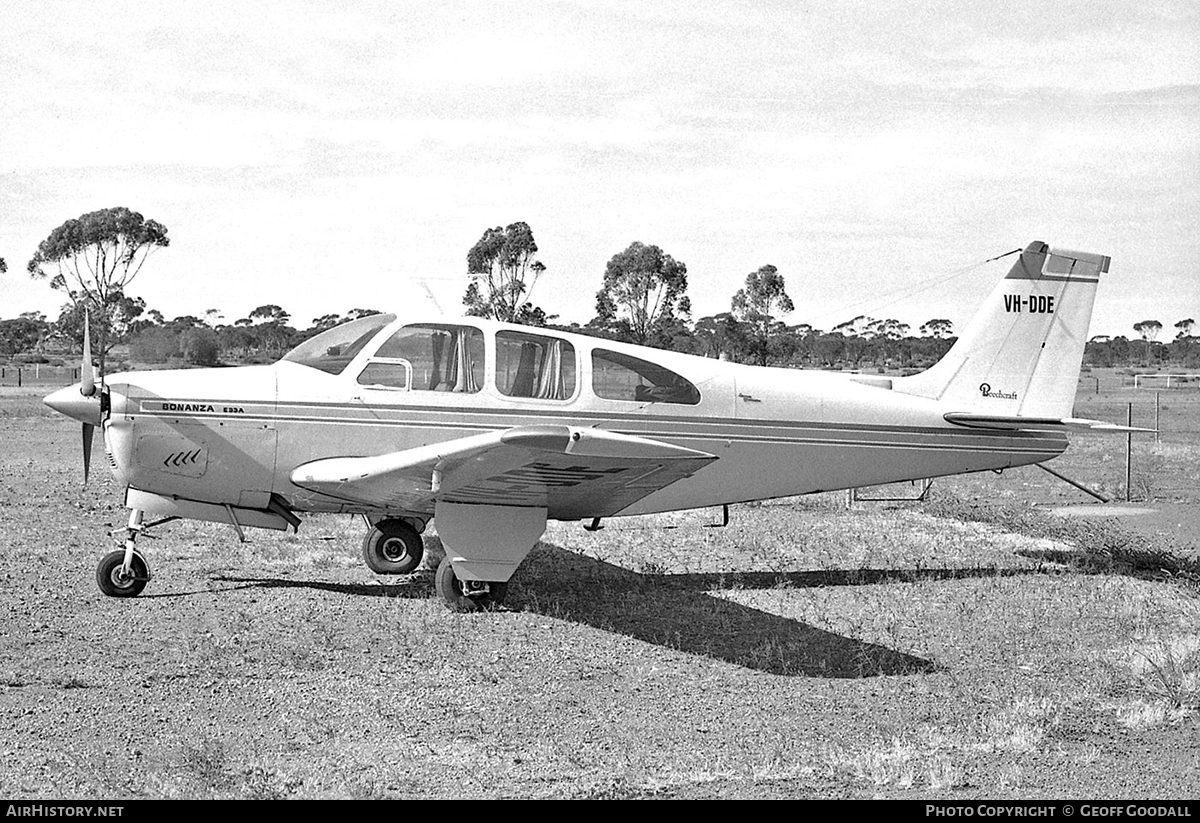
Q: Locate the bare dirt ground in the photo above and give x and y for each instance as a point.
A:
(804, 651)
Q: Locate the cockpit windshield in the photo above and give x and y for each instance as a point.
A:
(331, 351)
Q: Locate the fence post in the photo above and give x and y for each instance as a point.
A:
(1129, 455)
(1156, 407)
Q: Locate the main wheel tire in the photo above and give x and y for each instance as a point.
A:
(455, 593)
(393, 547)
(114, 583)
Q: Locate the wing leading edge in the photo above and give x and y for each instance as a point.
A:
(572, 472)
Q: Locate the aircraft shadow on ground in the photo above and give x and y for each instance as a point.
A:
(678, 612)
(412, 587)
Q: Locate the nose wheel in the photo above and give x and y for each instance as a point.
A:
(467, 595)
(115, 580)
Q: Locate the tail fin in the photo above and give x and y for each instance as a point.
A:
(1020, 355)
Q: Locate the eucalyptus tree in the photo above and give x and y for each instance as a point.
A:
(644, 294)
(938, 328)
(757, 304)
(1149, 330)
(504, 268)
(120, 322)
(93, 259)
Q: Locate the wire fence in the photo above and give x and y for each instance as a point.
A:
(38, 374)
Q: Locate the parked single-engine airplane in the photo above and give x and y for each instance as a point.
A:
(490, 429)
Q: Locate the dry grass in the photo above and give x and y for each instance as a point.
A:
(953, 649)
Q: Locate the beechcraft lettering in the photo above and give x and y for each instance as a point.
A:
(986, 390)
(1033, 304)
(488, 430)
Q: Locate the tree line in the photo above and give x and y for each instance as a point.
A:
(642, 299)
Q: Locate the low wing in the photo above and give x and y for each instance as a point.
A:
(985, 421)
(573, 472)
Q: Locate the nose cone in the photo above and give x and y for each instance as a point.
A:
(70, 402)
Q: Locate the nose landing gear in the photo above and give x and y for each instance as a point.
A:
(124, 572)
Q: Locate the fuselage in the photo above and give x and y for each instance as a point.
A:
(233, 437)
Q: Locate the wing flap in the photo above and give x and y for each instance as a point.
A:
(1013, 423)
(572, 472)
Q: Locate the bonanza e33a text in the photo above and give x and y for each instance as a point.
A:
(489, 430)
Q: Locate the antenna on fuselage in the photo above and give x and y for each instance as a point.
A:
(433, 297)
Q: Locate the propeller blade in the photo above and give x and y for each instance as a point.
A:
(88, 431)
(87, 377)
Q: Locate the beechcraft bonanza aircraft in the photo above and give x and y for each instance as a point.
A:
(489, 430)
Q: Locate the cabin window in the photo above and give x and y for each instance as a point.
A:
(617, 376)
(428, 357)
(387, 374)
(533, 365)
(331, 351)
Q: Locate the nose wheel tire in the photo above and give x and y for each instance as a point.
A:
(393, 547)
(467, 595)
(115, 582)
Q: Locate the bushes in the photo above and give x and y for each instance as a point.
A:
(199, 347)
(154, 345)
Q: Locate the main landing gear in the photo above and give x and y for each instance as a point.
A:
(467, 595)
(393, 547)
(124, 572)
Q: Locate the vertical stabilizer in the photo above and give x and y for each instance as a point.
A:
(1021, 353)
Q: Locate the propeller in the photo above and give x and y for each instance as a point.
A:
(87, 375)
(82, 403)
(87, 387)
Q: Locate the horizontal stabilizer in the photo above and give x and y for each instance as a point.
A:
(988, 421)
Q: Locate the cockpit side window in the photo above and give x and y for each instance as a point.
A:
(617, 376)
(428, 357)
(534, 365)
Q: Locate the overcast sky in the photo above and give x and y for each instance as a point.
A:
(326, 156)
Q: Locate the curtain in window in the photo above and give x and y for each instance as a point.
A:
(453, 361)
(438, 341)
(462, 369)
(524, 382)
(551, 385)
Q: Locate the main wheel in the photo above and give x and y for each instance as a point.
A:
(467, 595)
(393, 547)
(114, 582)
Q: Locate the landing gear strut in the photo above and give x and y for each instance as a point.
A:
(124, 573)
(467, 595)
(392, 547)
